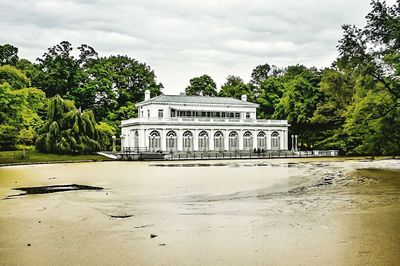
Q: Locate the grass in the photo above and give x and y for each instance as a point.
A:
(7, 157)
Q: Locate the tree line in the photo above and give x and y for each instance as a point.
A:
(73, 104)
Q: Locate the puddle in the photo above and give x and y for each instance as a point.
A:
(123, 216)
(51, 189)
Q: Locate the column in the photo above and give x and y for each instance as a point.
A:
(163, 135)
(122, 142)
(179, 134)
(240, 139)
(226, 140)
(255, 132)
(286, 139)
(268, 132)
(196, 139)
(211, 139)
(142, 141)
(145, 139)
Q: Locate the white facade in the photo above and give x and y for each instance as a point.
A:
(199, 123)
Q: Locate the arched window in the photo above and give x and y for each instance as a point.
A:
(247, 140)
(171, 141)
(218, 141)
(154, 141)
(203, 141)
(261, 140)
(187, 141)
(275, 141)
(233, 141)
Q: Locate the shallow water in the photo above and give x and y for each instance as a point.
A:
(294, 211)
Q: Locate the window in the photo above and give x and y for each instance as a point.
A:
(160, 113)
(275, 139)
(203, 141)
(247, 140)
(187, 141)
(261, 141)
(218, 141)
(142, 114)
(171, 141)
(247, 115)
(148, 113)
(233, 141)
(172, 113)
(237, 115)
(154, 141)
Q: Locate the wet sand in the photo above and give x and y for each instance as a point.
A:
(262, 212)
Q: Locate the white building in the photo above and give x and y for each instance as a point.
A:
(201, 123)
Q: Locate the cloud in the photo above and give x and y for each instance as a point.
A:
(180, 39)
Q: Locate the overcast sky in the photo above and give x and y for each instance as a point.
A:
(183, 39)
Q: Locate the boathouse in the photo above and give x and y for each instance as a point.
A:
(172, 123)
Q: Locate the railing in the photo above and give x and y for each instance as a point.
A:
(134, 149)
(212, 155)
(202, 120)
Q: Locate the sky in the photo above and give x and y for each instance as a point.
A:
(182, 39)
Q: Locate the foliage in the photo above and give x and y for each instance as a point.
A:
(203, 85)
(271, 91)
(235, 87)
(260, 74)
(373, 54)
(106, 132)
(8, 55)
(59, 71)
(20, 113)
(16, 78)
(68, 130)
(8, 137)
(367, 130)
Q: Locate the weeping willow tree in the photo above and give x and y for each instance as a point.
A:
(68, 130)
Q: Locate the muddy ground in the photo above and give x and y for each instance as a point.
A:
(260, 212)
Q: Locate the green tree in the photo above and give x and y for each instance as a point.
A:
(20, 111)
(16, 78)
(130, 79)
(260, 74)
(8, 55)
(59, 71)
(68, 130)
(300, 98)
(203, 85)
(106, 132)
(337, 88)
(374, 50)
(235, 87)
(369, 128)
(271, 91)
(372, 54)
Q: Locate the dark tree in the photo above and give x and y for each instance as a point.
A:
(203, 85)
(8, 55)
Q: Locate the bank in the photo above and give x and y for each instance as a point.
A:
(8, 158)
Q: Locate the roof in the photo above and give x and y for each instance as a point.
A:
(184, 99)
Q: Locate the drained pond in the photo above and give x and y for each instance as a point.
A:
(247, 212)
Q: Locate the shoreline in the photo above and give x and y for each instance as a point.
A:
(52, 162)
(334, 158)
